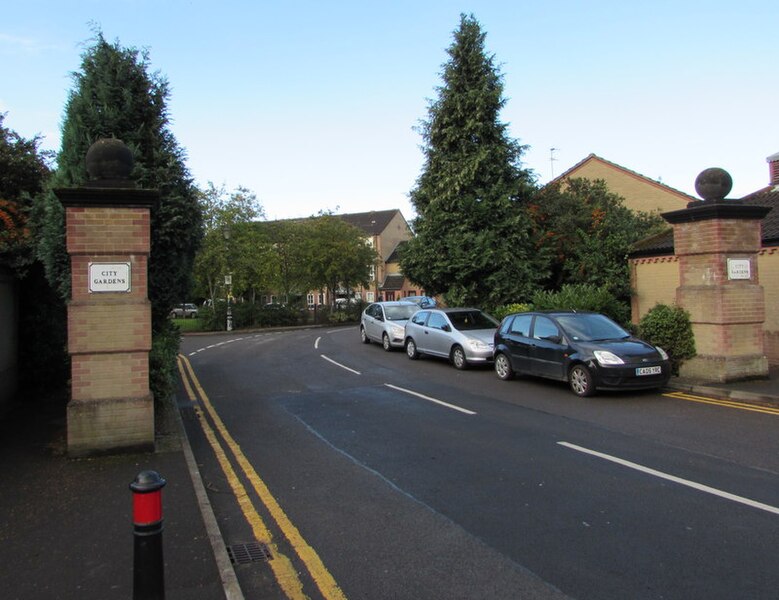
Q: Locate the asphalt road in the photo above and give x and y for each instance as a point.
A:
(410, 479)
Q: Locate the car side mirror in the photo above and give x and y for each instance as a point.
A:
(446, 328)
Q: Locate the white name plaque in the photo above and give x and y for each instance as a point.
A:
(109, 277)
(739, 268)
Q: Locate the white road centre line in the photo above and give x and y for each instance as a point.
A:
(316, 343)
(337, 364)
(679, 480)
(429, 399)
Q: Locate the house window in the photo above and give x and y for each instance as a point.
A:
(321, 297)
(369, 296)
(273, 299)
(310, 299)
(389, 295)
(411, 293)
(264, 299)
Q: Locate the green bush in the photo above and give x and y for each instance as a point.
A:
(583, 297)
(347, 313)
(509, 309)
(670, 328)
(162, 362)
(339, 316)
(213, 319)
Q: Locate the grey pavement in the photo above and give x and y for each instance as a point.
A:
(762, 391)
(66, 528)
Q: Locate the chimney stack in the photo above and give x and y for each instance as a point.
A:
(773, 169)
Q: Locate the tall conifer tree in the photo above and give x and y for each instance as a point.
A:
(472, 240)
(115, 95)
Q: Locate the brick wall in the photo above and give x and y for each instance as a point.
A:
(768, 264)
(99, 230)
(716, 235)
(109, 333)
(640, 193)
(654, 281)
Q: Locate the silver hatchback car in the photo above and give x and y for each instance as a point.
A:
(463, 335)
(384, 322)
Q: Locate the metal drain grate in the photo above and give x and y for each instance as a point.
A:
(241, 554)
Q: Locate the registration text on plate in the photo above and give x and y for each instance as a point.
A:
(649, 370)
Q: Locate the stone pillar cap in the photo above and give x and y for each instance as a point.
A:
(109, 164)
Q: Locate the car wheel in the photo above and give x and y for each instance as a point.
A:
(411, 349)
(364, 336)
(458, 358)
(503, 367)
(385, 343)
(581, 381)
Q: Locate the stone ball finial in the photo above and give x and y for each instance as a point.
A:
(109, 159)
(713, 184)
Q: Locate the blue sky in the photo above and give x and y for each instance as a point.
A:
(312, 105)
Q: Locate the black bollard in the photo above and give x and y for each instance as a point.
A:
(148, 567)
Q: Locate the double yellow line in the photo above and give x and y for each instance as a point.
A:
(726, 403)
(282, 567)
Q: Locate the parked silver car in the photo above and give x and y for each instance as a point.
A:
(463, 335)
(384, 322)
(184, 311)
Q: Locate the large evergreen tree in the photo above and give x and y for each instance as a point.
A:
(472, 241)
(115, 95)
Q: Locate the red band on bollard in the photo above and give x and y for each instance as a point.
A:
(147, 508)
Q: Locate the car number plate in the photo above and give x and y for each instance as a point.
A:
(649, 371)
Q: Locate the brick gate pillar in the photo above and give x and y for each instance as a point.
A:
(717, 242)
(107, 222)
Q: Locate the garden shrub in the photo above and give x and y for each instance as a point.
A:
(670, 328)
(213, 318)
(509, 309)
(162, 362)
(583, 297)
(349, 313)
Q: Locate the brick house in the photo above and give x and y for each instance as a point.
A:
(641, 194)
(385, 231)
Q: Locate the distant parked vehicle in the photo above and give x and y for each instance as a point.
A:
(463, 335)
(422, 301)
(184, 311)
(384, 322)
(588, 350)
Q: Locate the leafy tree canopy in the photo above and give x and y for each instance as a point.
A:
(24, 170)
(587, 233)
(337, 255)
(231, 246)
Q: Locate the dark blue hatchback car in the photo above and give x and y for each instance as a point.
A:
(588, 350)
